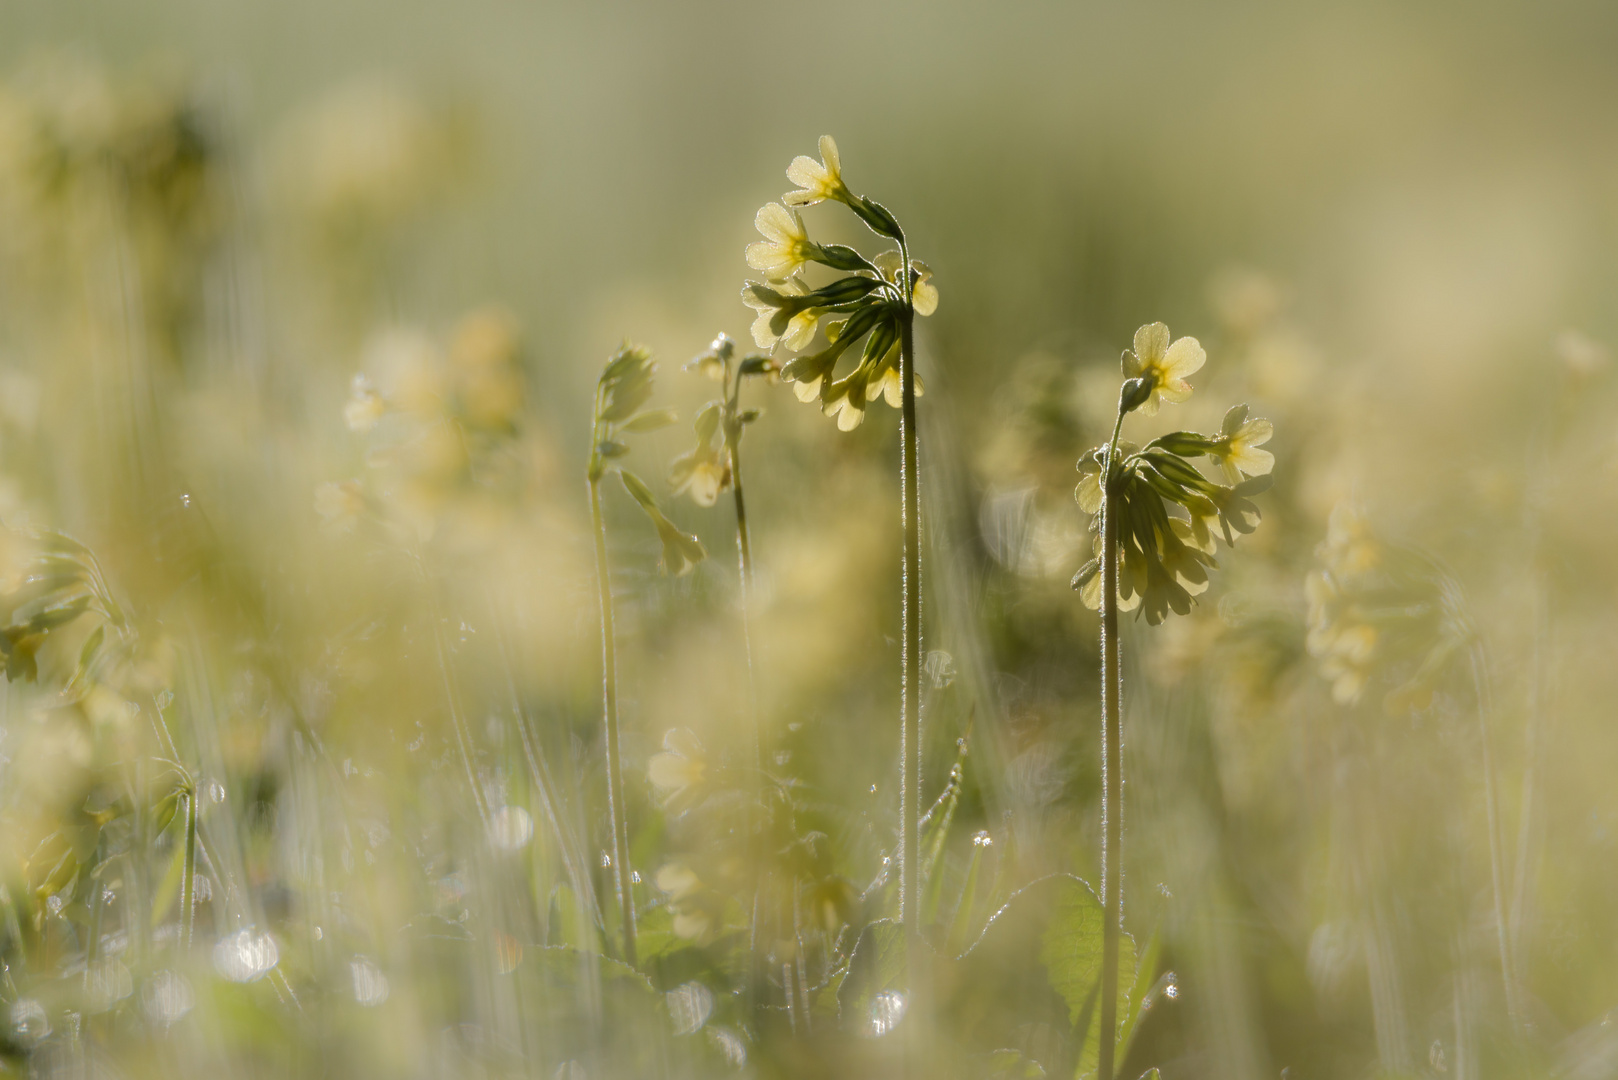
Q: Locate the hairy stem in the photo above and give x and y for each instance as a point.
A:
(621, 878)
(744, 556)
(910, 685)
(1112, 766)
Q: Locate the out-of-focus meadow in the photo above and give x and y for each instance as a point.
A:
(302, 773)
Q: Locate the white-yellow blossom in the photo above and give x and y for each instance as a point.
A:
(786, 246)
(817, 180)
(1162, 365)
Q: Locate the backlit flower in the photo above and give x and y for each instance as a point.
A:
(1237, 448)
(786, 245)
(816, 180)
(800, 329)
(1162, 365)
(365, 406)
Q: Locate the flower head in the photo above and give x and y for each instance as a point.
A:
(777, 322)
(923, 293)
(1163, 367)
(1237, 447)
(786, 245)
(817, 180)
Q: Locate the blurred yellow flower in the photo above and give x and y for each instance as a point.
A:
(365, 406)
(680, 768)
(1162, 365)
(817, 180)
(785, 247)
(340, 505)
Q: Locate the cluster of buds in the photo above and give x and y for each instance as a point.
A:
(1370, 602)
(705, 471)
(872, 300)
(622, 392)
(1169, 513)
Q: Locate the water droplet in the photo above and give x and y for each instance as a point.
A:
(185, 499)
(730, 1045)
(370, 985)
(245, 955)
(511, 828)
(873, 789)
(165, 698)
(1171, 989)
(634, 877)
(689, 1007)
(1164, 890)
(53, 903)
(982, 839)
(216, 791)
(319, 934)
(940, 668)
(887, 1009)
(166, 997)
(606, 861)
(29, 1021)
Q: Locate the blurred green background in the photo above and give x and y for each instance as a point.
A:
(1395, 229)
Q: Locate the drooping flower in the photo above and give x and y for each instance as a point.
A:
(766, 300)
(817, 180)
(1237, 448)
(1163, 366)
(923, 294)
(786, 246)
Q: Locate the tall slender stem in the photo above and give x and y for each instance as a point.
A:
(1112, 765)
(910, 686)
(188, 880)
(1497, 856)
(744, 557)
(621, 878)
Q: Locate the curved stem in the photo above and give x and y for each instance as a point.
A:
(621, 878)
(744, 556)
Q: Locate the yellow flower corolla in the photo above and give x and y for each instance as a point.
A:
(1238, 451)
(707, 478)
(785, 247)
(924, 296)
(848, 409)
(680, 767)
(1162, 365)
(800, 330)
(817, 180)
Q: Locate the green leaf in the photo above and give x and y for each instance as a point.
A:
(611, 448)
(876, 966)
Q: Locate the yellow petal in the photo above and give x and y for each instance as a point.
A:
(829, 154)
(1151, 342)
(1183, 358)
(925, 298)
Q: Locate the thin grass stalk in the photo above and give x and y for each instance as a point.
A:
(1497, 857)
(609, 704)
(1112, 765)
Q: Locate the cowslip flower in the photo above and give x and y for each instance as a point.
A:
(923, 294)
(1161, 366)
(786, 246)
(1237, 448)
(800, 329)
(817, 180)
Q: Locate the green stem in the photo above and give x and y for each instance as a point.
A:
(1508, 973)
(1112, 766)
(910, 685)
(621, 878)
(744, 556)
(188, 879)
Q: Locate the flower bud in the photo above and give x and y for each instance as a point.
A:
(1133, 394)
